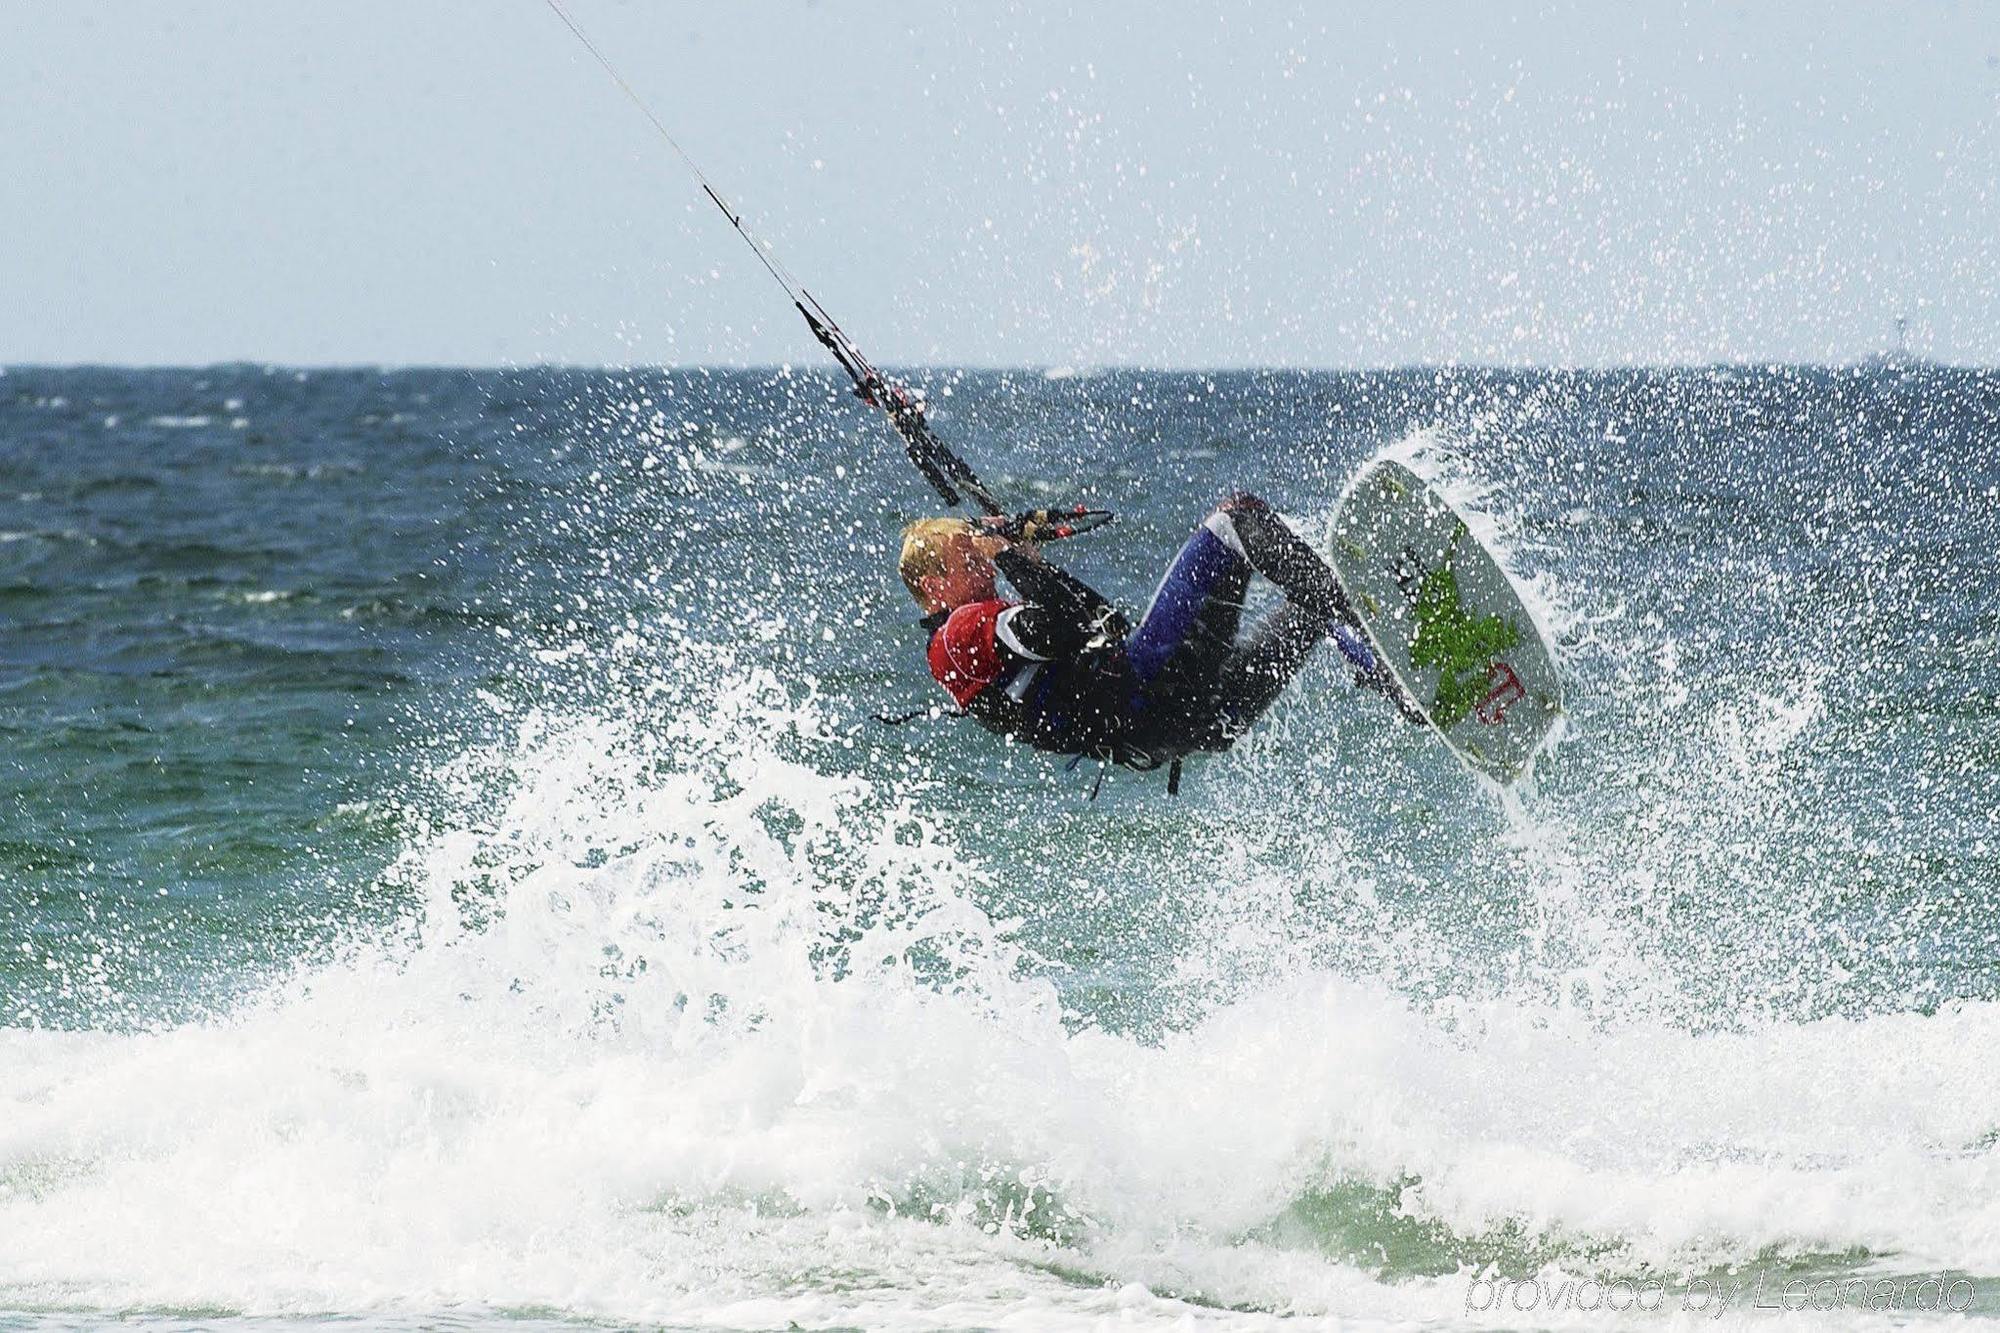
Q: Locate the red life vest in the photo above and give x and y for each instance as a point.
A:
(964, 653)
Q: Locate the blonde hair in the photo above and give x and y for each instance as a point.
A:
(926, 545)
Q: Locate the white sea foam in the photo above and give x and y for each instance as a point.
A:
(677, 1027)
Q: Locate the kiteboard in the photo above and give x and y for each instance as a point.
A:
(1446, 620)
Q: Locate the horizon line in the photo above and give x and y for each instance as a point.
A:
(1053, 370)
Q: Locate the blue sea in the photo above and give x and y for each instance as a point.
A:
(452, 874)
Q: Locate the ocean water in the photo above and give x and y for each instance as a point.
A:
(451, 874)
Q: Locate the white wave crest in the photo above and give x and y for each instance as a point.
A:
(675, 1025)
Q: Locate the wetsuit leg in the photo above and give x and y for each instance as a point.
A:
(1256, 673)
(1276, 552)
(1308, 583)
(1310, 586)
(1200, 689)
(1191, 622)
(1203, 588)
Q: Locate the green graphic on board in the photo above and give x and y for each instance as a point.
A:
(1450, 639)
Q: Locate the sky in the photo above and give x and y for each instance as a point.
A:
(1099, 183)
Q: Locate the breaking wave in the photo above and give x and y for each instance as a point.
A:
(664, 1017)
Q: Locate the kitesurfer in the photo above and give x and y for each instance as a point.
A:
(1060, 670)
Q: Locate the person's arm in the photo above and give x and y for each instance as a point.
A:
(1061, 615)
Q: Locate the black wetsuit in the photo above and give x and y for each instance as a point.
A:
(1059, 670)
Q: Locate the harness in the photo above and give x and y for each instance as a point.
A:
(1022, 703)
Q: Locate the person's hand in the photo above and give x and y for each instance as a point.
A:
(989, 538)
